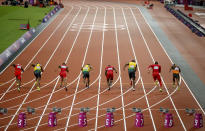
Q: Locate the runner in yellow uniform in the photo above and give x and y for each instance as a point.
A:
(86, 74)
(132, 68)
(175, 70)
(38, 69)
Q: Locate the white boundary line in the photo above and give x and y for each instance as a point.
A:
(39, 49)
(34, 83)
(172, 62)
(101, 61)
(162, 77)
(118, 57)
(67, 122)
(65, 62)
(153, 123)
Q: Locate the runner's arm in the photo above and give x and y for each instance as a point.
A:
(125, 66)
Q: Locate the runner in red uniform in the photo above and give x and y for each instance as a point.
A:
(156, 70)
(63, 75)
(109, 75)
(18, 70)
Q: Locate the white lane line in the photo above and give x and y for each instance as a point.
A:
(39, 49)
(162, 77)
(172, 63)
(7, 82)
(67, 122)
(65, 62)
(118, 54)
(131, 42)
(101, 60)
(32, 86)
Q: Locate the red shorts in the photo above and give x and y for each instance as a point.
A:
(63, 74)
(109, 76)
(156, 77)
(18, 74)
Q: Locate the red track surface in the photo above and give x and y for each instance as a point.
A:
(79, 40)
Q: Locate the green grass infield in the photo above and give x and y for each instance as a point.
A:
(12, 16)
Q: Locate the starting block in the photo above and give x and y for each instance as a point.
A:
(30, 110)
(52, 120)
(163, 110)
(3, 111)
(136, 110)
(56, 110)
(82, 119)
(198, 120)
(168, 122)
(109, 122)
(22, 120)
(139, 120)
(189, 111)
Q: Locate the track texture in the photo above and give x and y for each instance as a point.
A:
(98, 33)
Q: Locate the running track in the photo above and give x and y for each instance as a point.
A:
(98, 33)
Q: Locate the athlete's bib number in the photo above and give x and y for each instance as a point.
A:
(156, 67)
(19, 67)
(137, 121)
(38, 67)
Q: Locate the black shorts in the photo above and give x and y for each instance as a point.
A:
(37, 73)
(131, 74)
(86, 74)
(175, 76)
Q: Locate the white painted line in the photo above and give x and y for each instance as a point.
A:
(40, 48)
(34, 83)
(101, 60)
(58, 77)
(161, 77)
(172, 63)
(67, 122)
(118, 54)
(153, 123)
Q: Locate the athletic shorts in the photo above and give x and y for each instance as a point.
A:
(18, 74)
(156, 77)
(62, 74)
(175, 76)
(109, 76)
(37, 73)
(131, 74)
(86, 74)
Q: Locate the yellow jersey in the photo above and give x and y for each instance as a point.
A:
(37, 67)
(176, 70)
(132, 65)
(86, 68)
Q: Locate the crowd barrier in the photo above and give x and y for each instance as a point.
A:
(189, 22)
(14, 49)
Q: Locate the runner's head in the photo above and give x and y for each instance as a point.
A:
(108, 65)
(63, 63)
(133, 60)
(156, 62)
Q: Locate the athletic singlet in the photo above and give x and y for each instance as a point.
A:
(86, 68)
(18, 67)
(63, 68)
(175, 70)
(37, 67)
(132, 65)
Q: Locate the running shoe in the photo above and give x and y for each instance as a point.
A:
(66, 89)
(173, 86)
(38, 88)
(156, 83)
(133, 89)
(108, 88)
(160, 89)
(18, 89)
